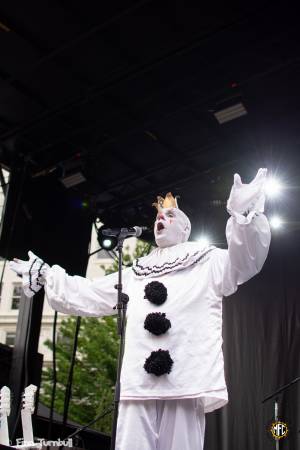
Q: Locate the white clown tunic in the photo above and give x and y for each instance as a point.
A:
(196, 279)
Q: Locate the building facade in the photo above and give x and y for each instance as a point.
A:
(11, 297)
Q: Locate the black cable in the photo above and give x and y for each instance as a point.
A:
(27, 344)
(113, 255)
(2, 275)
(70, 377)
(96, 251)
(4, 186)
(54, 377)
(100, 416)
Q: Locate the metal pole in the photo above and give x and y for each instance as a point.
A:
(121, 308)
(276, 418)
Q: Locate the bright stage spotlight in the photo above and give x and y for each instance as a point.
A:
(273, 187)
(276, 222)
(203, 240)
(107, 243)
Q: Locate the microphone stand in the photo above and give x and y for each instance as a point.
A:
(121, 307)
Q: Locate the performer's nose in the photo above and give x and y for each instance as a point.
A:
(161, 217)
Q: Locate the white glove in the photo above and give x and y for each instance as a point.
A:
(247, 199)
(33, 273)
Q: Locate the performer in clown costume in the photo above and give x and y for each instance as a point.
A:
(173, 369)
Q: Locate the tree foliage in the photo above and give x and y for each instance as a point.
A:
(95, 368)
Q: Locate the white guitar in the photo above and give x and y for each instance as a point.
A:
(28, 405)
(4, 413)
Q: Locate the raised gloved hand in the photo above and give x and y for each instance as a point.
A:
(247, 199)
(32, 271)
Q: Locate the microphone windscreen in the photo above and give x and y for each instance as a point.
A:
(138, 230)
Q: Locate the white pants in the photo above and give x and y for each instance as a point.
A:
(160, 425)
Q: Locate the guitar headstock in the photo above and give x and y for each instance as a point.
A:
(28, 398)
(5, 401)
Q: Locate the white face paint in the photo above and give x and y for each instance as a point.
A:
(171, 227)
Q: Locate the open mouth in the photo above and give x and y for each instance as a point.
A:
(160, 226)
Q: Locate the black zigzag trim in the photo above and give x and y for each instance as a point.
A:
(30, 277)
(167, 266)
(39, 274)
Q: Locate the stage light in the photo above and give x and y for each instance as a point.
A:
(203, 240)
(72, 179)
(107, 243)
(230, 112)
(273, 187)
(276, 222)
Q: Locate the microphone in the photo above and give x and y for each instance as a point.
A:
(125, 232)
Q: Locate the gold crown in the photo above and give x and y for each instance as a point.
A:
(168, 202)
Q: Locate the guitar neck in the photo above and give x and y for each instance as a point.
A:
(4, 412)
(27, 410)
(4, 436)
(27, 426)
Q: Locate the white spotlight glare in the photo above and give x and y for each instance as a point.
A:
(273, 187)
(204, 241)
(106, 243)
(276, 222)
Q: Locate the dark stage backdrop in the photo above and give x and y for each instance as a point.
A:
(261, 349)
(41, 215)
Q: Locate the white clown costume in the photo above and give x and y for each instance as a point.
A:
(173, 370)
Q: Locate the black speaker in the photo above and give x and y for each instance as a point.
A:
(41, 215)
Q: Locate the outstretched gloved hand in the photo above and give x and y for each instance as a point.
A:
(247, 198)
(33, 273)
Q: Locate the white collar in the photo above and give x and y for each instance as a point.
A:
(169, 259)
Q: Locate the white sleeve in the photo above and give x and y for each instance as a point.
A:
(248, 246)
(80, 296)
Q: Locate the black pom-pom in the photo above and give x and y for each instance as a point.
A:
(157, 323)
(156, 292)
(159, 362)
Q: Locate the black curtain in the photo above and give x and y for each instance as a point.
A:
(261, 324)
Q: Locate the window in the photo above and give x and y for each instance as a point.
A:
(17, 292)
(10, 338)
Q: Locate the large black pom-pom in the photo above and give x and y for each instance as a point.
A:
(157, 323)
(156, 292)
(159, 362)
